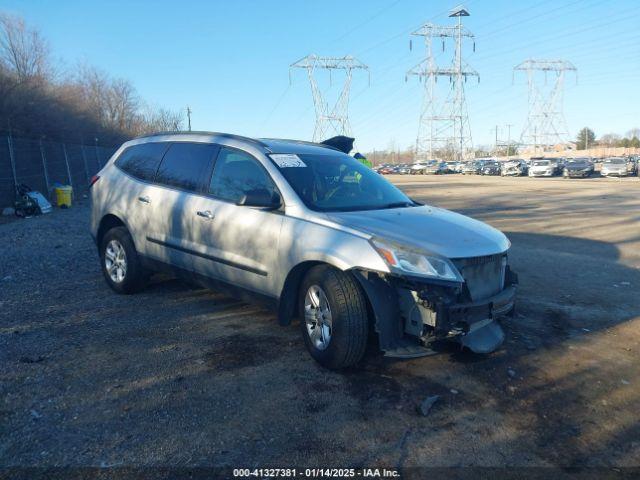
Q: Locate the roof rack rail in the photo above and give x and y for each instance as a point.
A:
(302, 142)
(217, 134)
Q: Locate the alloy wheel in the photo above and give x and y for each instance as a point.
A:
(318, 318)
(115, 261)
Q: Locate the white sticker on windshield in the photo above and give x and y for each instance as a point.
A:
(287, 160)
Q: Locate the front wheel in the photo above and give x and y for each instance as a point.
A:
(120, 262)
(334, 317)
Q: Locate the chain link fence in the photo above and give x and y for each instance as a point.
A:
(41, 164)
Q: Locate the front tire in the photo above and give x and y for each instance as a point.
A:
(120, 262)
(333, 314)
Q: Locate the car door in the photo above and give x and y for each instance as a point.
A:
(182, 176)
(136, 193)
(237, 244)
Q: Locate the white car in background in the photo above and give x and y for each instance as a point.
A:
(419, 168)
(543, 168)
(615, 167)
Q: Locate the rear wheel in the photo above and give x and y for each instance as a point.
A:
(120, 262)
(334, 317)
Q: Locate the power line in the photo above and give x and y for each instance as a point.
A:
(370, 19)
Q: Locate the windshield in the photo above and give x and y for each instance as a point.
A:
(617, 161)
(540, 163)
(336, 182)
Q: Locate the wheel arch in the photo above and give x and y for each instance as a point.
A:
(288, 300)
(108, 222)
(289, 294)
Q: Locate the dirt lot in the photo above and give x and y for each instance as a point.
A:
(182, 376)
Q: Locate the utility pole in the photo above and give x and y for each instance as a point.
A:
(586, 138)
(509, 125)
(333, 119)
(444, 122)
(495, 149)
(189, 117)
(97, 153)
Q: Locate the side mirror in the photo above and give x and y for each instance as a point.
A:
(261, 198)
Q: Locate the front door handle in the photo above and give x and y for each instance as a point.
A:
(144, 199)
(206, 214)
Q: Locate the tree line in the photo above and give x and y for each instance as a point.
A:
(587, 139)
(39, 99)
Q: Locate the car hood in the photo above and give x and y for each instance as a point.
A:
(614, 166)
(577, 167)
(428, 229)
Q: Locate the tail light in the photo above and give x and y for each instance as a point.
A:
(93, 180)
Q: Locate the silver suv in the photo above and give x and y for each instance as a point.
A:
(309, 230)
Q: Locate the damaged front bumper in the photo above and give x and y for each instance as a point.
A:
(413, 315)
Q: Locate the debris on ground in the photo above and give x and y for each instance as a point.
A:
(31, 360)
(511, 372)
(426, 404)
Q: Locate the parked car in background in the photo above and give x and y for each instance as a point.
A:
(472, 168)
(309, 231)
(615, 167)
(418, 168)
(543, 167)
(578, 167)
(404, 169)
(490, 167)
(437, 168)
(514, 168)
(385, 170)
(454, 167)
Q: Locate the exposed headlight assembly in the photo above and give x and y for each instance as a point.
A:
(403, 260)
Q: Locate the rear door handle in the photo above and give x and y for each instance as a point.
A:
(206, 214)
(144, 199)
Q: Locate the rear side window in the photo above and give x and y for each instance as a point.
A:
(186, 166)
(237, 173)
(141, 161)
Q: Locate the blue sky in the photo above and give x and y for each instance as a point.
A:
(229, 60)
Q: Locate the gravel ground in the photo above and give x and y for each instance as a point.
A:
(181, 376)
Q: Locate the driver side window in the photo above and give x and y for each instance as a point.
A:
(236, 173)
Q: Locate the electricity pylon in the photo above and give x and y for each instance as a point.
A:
(444, 129)
(545, 125)
(334, 119)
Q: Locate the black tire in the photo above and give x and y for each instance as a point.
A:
(350, 325)
(135, 277)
